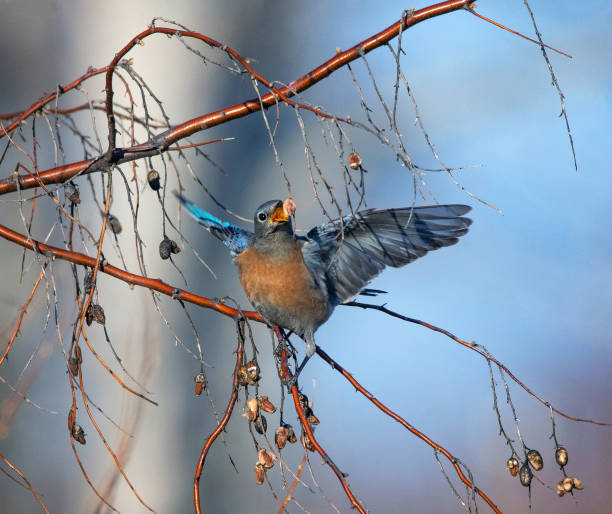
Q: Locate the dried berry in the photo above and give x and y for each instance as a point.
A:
(577, 483)
(168, 247)
(95, 313)
(265, 458)
(280, 438)
(354, 160)
(78, 434)
(307, 443)
(88, 281)
(71, 418)
(114, 224)
(243, 378)
(513, 466)
(525, 474)
(560, 490)
(252, 409)
(289, 207)
(252, 372)
(200, 383)
(72, 193)
(260, 424)
(561, 456)
(73, 366)
(260, 473)
(568, 484)
(266, 405)
(535, 459)
(291, 437)
(153, 179)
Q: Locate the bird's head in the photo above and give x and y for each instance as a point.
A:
(271, 217)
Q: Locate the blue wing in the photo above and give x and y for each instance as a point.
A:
(235, 238)
(347, 255)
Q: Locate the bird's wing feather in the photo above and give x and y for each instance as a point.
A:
(352, 252)
(235, 238)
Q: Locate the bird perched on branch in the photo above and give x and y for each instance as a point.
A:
(295, 282)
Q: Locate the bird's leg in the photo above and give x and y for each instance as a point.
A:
(311, 348)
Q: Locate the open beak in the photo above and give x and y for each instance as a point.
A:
(279, 214)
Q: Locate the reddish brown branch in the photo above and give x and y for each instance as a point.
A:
(162, 141)
(49, 97)
(406, 425)
(228, 412)
(322, 452)
(473, 347)
(125, 276)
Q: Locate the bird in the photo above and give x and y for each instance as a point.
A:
(295, 282)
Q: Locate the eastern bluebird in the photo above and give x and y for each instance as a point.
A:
(295, 282)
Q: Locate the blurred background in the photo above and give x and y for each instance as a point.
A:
(531, 281)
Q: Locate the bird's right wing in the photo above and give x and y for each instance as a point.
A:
(235, 238)
(352, 251)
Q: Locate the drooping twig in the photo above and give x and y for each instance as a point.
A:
(321, 353)
(163, 141)
(473, 347)
(228, 412)
(322, 452)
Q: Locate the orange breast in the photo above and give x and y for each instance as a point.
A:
(283, 285)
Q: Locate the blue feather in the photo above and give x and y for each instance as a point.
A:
(235, 238)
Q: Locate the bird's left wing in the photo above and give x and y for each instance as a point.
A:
(347, 254)
(235, 238)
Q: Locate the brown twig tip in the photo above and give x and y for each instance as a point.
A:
(471, 9)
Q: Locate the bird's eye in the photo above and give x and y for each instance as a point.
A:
(262, 216)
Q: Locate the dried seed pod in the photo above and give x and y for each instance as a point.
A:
(303, 400)
(153, 179)
(513, 466)
(252, 409)
(577, 483)
(560, 490)
(200, 383)
(561, 456)
(280, 438)
(78, 434)
(243, 378)
(266, 405)
(568, 484)
(114, 224)
(260, 473)
(73, 366)
(88, 281)
(168, 247)
(260, 424)
(266, 458)
(291, 437)
(252, 372)
(525, 474)
(307, 443)
(71, 418)
(311, 418)
(72, 193)
(535, 459)
(354, 160)
(95, 313)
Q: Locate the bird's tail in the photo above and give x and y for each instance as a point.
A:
(204, 218)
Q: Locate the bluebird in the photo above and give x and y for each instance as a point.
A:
(295, 282)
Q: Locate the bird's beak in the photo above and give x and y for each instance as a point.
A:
(279, 214)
